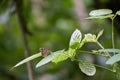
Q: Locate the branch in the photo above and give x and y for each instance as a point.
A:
(23, 26)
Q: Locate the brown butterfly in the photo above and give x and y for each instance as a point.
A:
(45, 52)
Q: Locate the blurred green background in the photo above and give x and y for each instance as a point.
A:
(51, 23)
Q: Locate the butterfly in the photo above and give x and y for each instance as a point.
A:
(45, 52)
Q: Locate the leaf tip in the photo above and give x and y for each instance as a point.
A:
(75, 35)
(38, 65)
(12, 68)
(87, 68)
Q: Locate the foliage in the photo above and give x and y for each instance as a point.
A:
(28, 59)
(76, 42)
(60, 22)
(114, 59)
(49, 58)
(87, 68)
(100, 12)
(49, 35)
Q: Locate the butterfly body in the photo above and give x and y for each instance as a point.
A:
(45, 52)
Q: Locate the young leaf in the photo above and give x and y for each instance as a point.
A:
(75, 44)
(75, 35)
(89, 38)
(100, 12)
(118, 12)
(49, 58)
(99, 34)
(87, 68)
(110, 50)
(27, 59)
(101, 17)
(113, 59)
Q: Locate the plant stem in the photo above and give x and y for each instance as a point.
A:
(94, 53)
(103, 48)
(113, 38)
(112, 70)
(116, 66)
(99, 44)
(113, 42)
(105, 68)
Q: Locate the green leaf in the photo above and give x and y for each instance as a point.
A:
(87, 68)
(76, 35)
(89, 38)
(27, 59)
(71, 52)
(113, 59)
(118, 12)
(110, 50)
(99, 34)
(67, 54)
(61, 57)
(100, 12)
(101, 17)
(75, 44)
(49, 58)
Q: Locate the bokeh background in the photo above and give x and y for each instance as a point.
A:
(49, 24)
